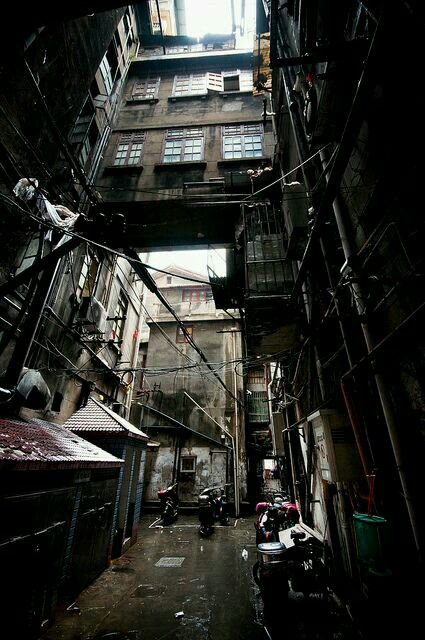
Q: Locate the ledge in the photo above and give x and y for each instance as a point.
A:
(234, 161)
(189, 96)
(160, 166)
(123, 168)
(141, 101)
(246, 92)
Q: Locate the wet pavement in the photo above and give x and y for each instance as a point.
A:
(207, 582)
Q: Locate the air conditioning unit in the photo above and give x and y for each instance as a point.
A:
(337, 454)
(295, 215)
(92, 315)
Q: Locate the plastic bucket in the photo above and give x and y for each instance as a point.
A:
(371, 539)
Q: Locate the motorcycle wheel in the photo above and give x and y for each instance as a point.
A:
(168, 516)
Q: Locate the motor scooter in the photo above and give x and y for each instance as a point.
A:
(169, 503)
(267, 526)
(274, 516)
(212, 506)
(280, 568)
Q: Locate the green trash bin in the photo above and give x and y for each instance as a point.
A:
(372, 541)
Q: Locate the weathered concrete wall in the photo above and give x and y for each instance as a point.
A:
(211, 111)
(212, 467)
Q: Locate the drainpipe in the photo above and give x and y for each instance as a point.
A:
(384, 398)
(235, 393)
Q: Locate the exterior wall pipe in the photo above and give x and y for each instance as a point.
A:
(347, 140)
(352, 414)
(384, 398)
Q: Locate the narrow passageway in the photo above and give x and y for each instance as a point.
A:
(207, 582)
(172, 570)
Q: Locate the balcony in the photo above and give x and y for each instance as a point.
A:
(269, 279)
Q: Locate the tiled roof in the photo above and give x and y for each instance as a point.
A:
(97, 417)
(44, 445)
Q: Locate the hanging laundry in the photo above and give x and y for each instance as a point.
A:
(27, 190)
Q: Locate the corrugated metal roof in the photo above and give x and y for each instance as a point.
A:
(44, 445)
(97, 417)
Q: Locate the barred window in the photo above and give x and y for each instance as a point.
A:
(190, 84)
(129, 149)
(242, 141)
(183, 145)
(146, 89)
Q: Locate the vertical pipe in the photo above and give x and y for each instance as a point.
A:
(387, 410)
(235, 393)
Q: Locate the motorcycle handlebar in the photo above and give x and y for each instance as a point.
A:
(210, 489)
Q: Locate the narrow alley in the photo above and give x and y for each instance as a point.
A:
(173, 584)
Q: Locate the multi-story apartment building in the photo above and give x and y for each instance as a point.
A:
(348, 380)
(188, 141)
(69, 317)
(194, 411)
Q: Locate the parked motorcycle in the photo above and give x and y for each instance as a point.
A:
(300, 567)
(274, 516)
(267, 525)
(212, 506)
(169, 504)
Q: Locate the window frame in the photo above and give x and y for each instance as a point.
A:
(185, 137)
(146, 80)
(186, 458)
(131, 139)
(190, 92)
(216, 81)
(243, 133)
(120, 314)
(88, 280)
(180, 336)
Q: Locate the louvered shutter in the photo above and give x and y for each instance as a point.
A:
(214, 81)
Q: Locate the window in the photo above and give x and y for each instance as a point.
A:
(181, 337)
(228, 81)
(129, 149)
(105, 70)
(196, 294)
(242, 141)
(85, 133)
(183, 145)
(188, 464)
(169, 279)
(145, 89)
(120, 316)
(89, 274)
(191, 84)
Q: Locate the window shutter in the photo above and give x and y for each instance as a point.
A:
(245, 80)
(215, 82)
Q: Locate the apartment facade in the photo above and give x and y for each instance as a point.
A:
(194, 410)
